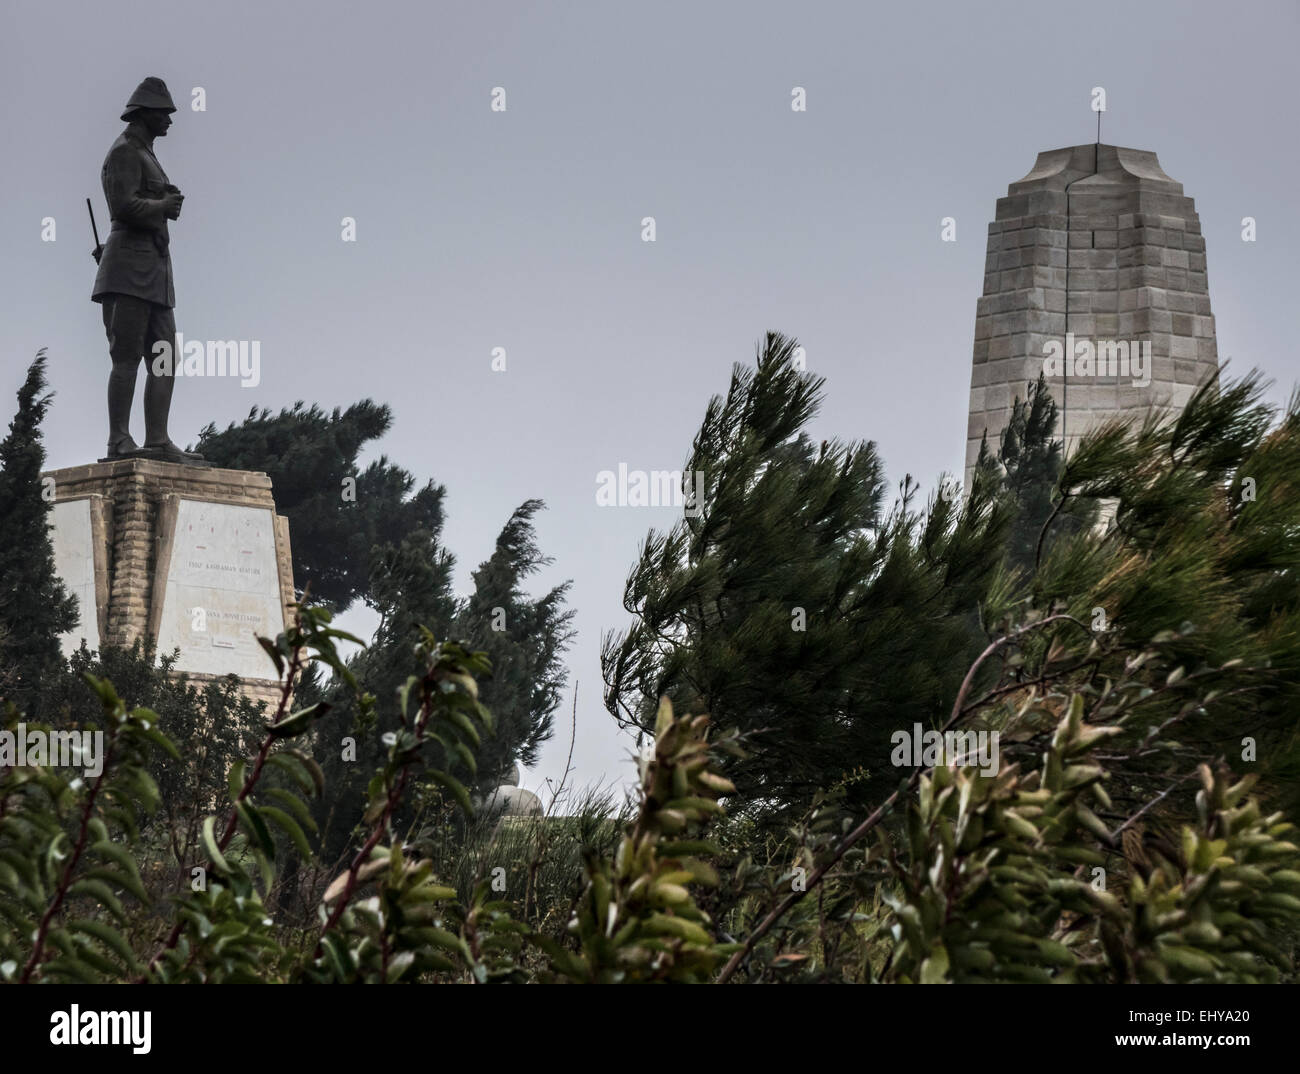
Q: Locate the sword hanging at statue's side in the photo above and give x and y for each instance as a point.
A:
(99, 246)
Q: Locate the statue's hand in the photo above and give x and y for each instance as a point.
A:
(97, 252)
(172, 204)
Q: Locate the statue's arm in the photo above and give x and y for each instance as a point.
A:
(122, 176)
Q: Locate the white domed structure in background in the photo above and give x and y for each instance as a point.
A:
(512, 800)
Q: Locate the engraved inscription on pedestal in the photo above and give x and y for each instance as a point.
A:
(77, 553)
(222, 587)
(185, 557)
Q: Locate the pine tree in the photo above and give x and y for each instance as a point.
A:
(1201, 565)
(35, 608)
(1030, 462)
(793, 607)
(337, 512)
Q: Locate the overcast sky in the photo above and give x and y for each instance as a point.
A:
(522, 229)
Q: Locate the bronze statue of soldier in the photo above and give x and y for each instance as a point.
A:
(134, 282)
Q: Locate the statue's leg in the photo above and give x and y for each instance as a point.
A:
(158, 388)
(125, 322)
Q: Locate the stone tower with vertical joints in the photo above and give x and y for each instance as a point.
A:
(1096, 256)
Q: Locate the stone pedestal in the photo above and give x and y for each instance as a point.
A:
(191, 558)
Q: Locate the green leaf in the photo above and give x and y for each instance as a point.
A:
(253, 823)
(467, 756)
(294, 805)
(71, 969)
(235, 780)
(125, 818)
(465, 725)
(109, 937)
(290, 827)
(97, 889)
(265, 868)
(298, 722)
(160, 740)
(145, 788)
(429, 893)
(210, 845)
(103, 688)
(54, 858)
(119, 856)
(301, 768)
(313, 769)
(934, 970)
(398, 965)
(339, 957)
(273, 651)
(456, 787)
(343, 635)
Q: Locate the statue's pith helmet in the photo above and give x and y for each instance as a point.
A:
(151, 93)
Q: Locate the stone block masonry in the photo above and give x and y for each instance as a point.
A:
(1096, 244)
(188, 557)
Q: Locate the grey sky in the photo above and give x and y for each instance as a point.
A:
(522, 229)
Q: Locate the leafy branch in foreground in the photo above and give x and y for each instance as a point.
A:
(638, 920)
(1006, 880)
(397, 933)
(1009, 877)
(64, 856)
(222, 931)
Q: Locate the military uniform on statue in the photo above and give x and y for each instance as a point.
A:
(134, 283)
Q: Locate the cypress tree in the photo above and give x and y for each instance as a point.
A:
(35, 608)
(524, 638)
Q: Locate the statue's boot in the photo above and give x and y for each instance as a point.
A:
(157, 405)
(121, 390)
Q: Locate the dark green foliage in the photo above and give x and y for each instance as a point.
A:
(524, 639)
(1142, 678)
(1203, 553)
(72, 893)
(793, 609)
(376, 542)
(212, 725)
(34, 606)
(1172, 631)
(1030, 462)
(412, 587)
(988, 887)
(337, 512)
(638, 920)
(68, 854)
(1219, 908)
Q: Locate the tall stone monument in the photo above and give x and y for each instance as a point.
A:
(1095, 274)
(156, 544)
